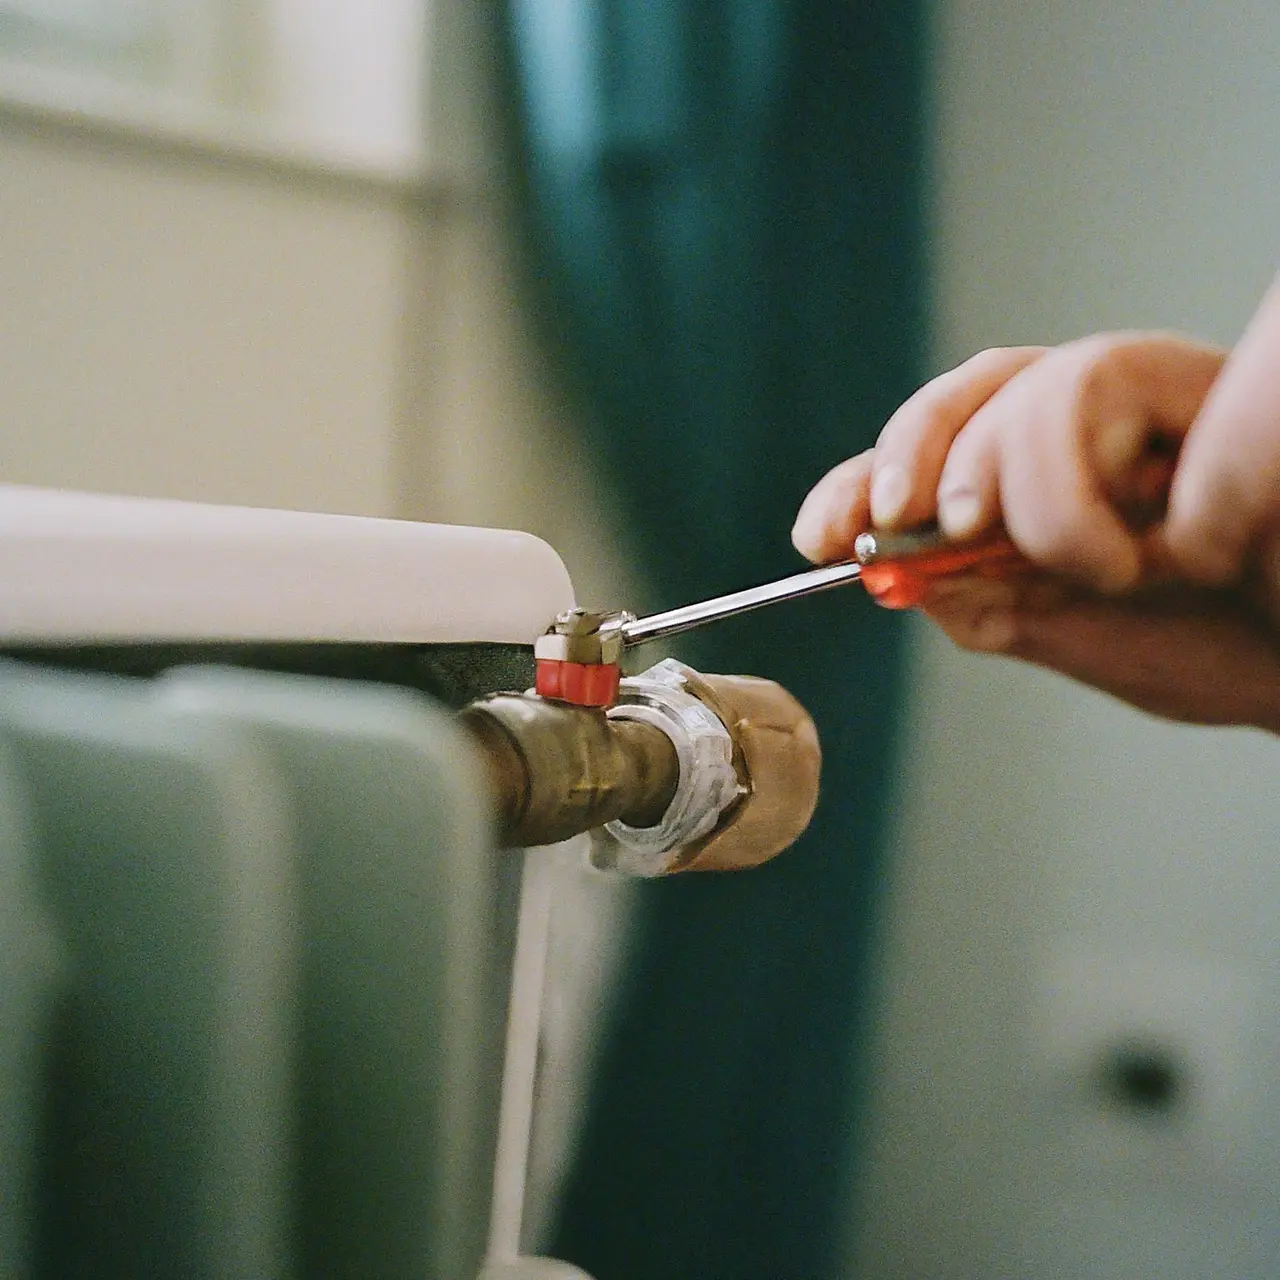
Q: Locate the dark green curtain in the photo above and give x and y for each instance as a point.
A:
(723, 214)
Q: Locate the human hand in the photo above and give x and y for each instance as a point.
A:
(1069, 447)
(1224, 507)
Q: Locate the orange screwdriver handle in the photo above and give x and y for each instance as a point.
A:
(901, 581)
(899, 568)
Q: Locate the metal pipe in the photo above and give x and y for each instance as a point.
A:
(660, 625)
(556, 771)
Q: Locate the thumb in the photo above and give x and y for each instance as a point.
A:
(1226, 490)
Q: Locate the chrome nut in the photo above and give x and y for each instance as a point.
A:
(583, 636)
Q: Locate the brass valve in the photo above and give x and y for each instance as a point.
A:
(687, 772)
(578, 660)
(556, 770)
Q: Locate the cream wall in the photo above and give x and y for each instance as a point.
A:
(1068, 872)
(174, 325)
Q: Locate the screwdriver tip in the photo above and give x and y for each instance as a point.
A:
(865, 547)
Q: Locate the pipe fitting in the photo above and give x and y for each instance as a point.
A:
(687, 772)
(707, 782)
(557, 770)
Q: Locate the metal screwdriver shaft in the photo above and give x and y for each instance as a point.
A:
(660, 625)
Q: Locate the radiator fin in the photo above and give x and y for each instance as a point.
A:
(261, 1035)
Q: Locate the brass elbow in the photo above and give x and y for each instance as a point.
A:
(779, 759)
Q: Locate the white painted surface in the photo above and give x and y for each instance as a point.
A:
(1066, 868)
(79, 566)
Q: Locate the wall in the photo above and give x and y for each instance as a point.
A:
(1070, 875)
(177, 327)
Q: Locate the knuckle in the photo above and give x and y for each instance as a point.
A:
(991, 359)
(1093, 368)
(918, 420)
(850, 471)
(1103, 366)
(983, 360)
(1056, 535)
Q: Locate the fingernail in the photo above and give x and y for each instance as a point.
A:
(959, 511)
(889, 493)
(809, 531)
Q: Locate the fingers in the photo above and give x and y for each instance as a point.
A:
(1062, 448)
(835, 512)
(1226, 494)
(1057, 443)
(969, 488)
(913, 446)
(1055, 506)
(907, 460)
(1188, 658)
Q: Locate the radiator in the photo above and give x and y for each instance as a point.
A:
(255, 931)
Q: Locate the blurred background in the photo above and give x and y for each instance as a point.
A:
(632, 277)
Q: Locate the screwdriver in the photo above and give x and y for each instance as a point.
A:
(577, 660)
(896, 569)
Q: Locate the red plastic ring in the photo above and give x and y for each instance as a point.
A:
(581, 684)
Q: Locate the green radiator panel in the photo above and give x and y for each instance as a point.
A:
(28, 973)
(251, 951)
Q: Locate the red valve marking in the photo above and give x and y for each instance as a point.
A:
(581, 684)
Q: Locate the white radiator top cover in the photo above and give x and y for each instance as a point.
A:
(91, 567)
